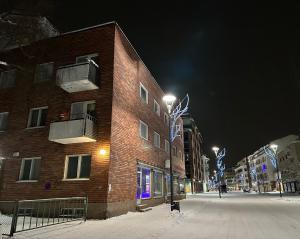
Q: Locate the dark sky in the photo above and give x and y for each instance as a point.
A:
(238, 62)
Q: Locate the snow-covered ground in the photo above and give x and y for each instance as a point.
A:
(235, 216)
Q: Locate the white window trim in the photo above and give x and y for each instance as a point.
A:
(158, 107)
(78, 167)
(141, 122)
(142, 86)
(22, 170)
(6, 122)
(157, 146)
(39, 117)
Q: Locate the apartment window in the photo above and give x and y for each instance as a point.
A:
(90, 57)
(158, 183)
(166, 118)
(156, 108)
(143, 94)
(174, 151)
(30, 168)
(3, 121)
(44, 72)
(156, 140)
(7, 79)
(180, 155)
(37, 117)
(80, 109)
(78, 167)
(143, 130)
(167, 146)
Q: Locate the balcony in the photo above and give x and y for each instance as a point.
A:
(77, 77)
(79, 130)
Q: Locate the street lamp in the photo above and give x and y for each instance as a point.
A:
(274, 148)
(216, 150)
(169, 101)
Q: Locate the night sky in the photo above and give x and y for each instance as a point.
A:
(239, 63)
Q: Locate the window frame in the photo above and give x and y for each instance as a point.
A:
(158, 107)
(147, 132)
(156, 134)
(147, 93)
(3, 130)
(85, 104)
(155, 195)
(13, 71)
(78, 167)
(21, 172)
(89, 57)
(175, 151)
(41, 64)
(39, 117)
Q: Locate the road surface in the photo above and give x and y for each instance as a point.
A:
(235, 216)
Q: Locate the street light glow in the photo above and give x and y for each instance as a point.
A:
(274, 147)
(216, 150)
(169, 101)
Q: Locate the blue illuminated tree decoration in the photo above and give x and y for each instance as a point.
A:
(220, 162)
(271, 155)
(176, 114)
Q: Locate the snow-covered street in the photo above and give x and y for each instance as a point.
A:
(235, 216)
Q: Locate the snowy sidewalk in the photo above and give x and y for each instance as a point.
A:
(235, 216)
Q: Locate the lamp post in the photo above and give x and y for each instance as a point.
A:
(274, 148)
(169, 101)
(216, 150)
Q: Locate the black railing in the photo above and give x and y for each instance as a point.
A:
(25, 215)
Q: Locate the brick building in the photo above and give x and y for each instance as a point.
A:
(193, 155)
(81, 115)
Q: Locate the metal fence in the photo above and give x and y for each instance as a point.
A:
(17, 216)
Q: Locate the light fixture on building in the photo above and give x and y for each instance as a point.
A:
(102, 151)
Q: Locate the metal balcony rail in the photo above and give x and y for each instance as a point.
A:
(23, 215)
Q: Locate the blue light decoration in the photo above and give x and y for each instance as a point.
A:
(176, 114)
(264, 168)
(220, 162)
(271, 155)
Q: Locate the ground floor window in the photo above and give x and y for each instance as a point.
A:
(143, 183)
(78, 167)
(30, 168)
(168, 184)
(158, 183)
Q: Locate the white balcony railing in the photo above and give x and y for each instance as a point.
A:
(77, 77)
(79, 130)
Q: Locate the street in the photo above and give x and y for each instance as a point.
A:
(236, 215)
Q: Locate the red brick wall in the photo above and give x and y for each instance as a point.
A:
(34, 142)
(127, 147)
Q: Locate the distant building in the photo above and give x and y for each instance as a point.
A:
(289, 166)
(230, 179)
(192, 151)
(265, 178)
(241, 175)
